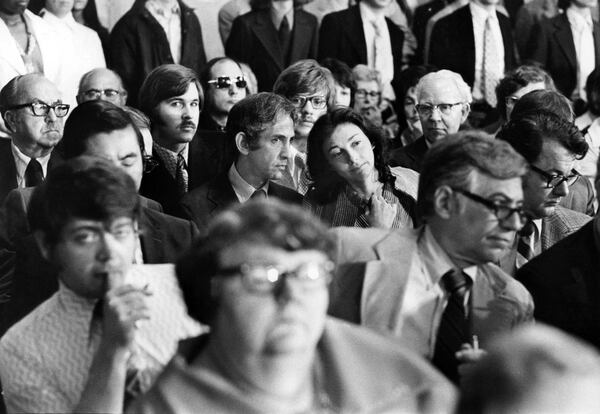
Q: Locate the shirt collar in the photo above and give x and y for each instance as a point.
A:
(158, 8)
(480, 13)
(241, 187)
(436, 260)
(367, 14)
(22, 160)
(277, 17)
(579, 20)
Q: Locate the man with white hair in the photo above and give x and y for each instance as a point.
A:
(443, 104)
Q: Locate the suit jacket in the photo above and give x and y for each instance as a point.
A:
(254, 40)
(138, 44)
(452, 44)
(410, 156)
(8, 170)
(555, 227)
(373, 268)
(565, 284)
(159, 185)
(553, 47)
(342, 37)
(201, 204)
(27, 279)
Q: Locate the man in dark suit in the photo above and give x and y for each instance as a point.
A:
(33, 112)
(260, 127)
(139, 42)
(568, 47)
(453, 46)
(443, 105)
(96, 128)
(563, 281)
(417, 284)
(352, 35)
(271, 37)
(172, 97)
(551, 146)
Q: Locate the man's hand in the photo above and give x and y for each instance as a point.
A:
(467, 356)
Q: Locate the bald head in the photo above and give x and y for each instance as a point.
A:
(102, 83)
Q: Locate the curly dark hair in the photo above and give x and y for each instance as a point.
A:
(326, 182)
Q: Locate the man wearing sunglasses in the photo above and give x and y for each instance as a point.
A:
(551, 146)
(436, 287)
(224, 85)
(443, 104)
(33, 112)
(259, 280)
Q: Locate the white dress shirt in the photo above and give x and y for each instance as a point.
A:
(242, 189)
(170, 20)
(383, 60)
(480, 16)
(582, 29)
(22, 161)
(425, 299)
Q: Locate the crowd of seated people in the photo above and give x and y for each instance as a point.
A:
(409, 186)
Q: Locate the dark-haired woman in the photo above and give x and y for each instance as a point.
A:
(352, 182)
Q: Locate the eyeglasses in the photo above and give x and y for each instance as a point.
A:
(264, 279)
(501, 211)
(97, 93)
(363, 93)
(554, 180)
(225, 82)
(444, 108)
(42, 109)
(317, 101)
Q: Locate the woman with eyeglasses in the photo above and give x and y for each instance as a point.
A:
(352, 182)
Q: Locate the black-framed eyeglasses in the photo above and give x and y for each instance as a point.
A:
(317, 101)
(501, 211)
(97, 93)
(264, 279)
(444, 108)
(39, 108)
(225, 82)
(554, 180)
(363, 93)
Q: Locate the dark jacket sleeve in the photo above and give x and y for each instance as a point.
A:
(328, 36)
(123, 56)
(237, 46)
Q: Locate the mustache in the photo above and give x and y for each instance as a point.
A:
(186, 124)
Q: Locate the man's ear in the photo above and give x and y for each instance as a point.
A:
(465, 112)
(9, 120)
(444, 202)
(43, 244)
(241, 143)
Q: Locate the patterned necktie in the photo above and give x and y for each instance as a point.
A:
(525, 246)
(181, 174)
(33, 174)
(454, 326)
(489, 73)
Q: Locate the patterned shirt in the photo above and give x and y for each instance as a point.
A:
(46, 357)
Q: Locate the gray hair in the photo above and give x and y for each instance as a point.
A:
(445, 76)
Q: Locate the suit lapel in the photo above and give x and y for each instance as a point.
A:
(597, 43)
(267, 35)
(564, 38)
(356, 34)
(151, 244)
(8, 170)
(302, 30)
(468, 38)
(507, 41)
(221, 194)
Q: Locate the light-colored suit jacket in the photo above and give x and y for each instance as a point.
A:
(372, 273)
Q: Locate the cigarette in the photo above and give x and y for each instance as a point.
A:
(475, 343)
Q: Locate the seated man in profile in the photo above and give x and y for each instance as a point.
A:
(110, 328)
(259, 279)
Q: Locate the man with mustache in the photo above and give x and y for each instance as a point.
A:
(259, 129)
(172, 97)
(33, 112)
(311, 89)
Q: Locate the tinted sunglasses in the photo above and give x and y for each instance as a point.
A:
(223, 82)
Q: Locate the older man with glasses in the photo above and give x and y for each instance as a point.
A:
(102, 83)
(436, 287)
(551, 145)
(33, 112)
(443, 105)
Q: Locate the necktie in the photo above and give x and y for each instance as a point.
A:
(525, 246)
(258, 195)
(489, 74)
(284, 34)
(33, 174)
(181, 174)
(454, 326)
